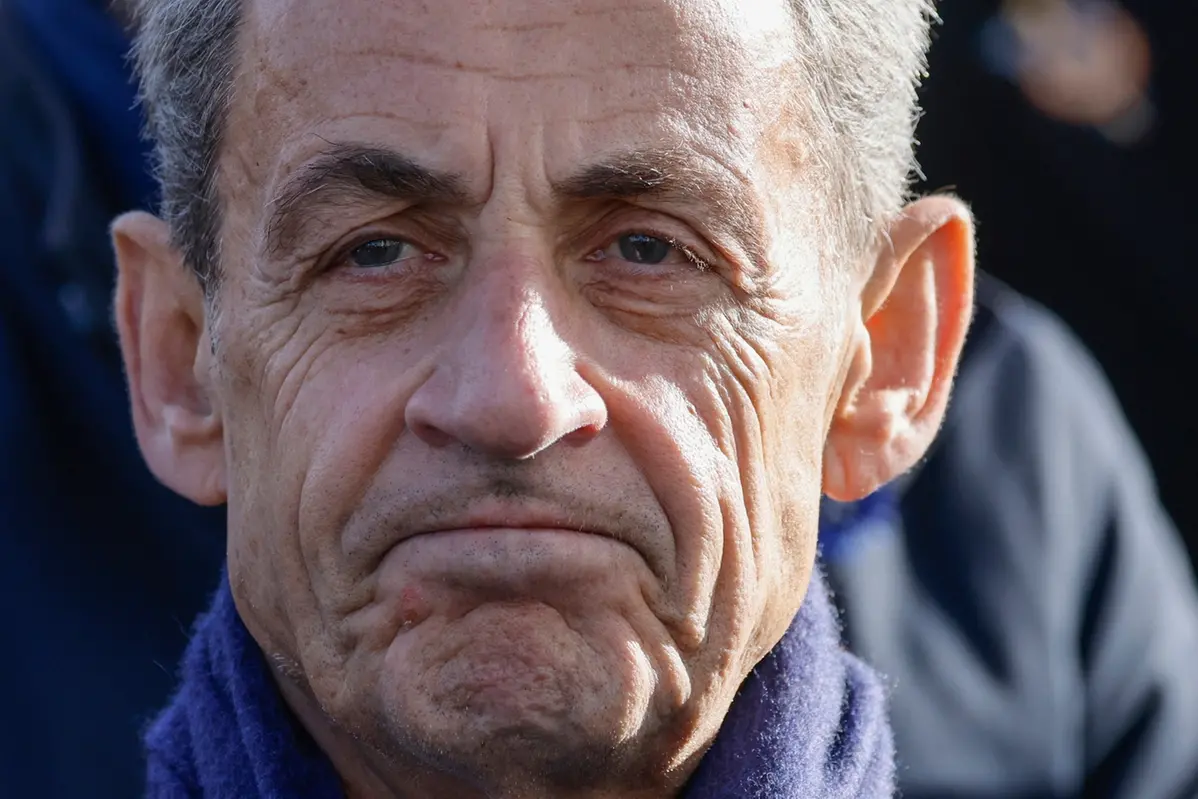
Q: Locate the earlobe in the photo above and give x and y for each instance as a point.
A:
(915, 314)
(160, 314)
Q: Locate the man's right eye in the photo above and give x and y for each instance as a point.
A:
(381, 252)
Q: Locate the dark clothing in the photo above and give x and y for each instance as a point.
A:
(84, 50)
(1099, 232)
(1032, 605)
(808, 723)
(101, 569)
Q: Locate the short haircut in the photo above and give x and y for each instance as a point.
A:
(862, 61)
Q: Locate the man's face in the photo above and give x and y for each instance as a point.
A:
(525, 359)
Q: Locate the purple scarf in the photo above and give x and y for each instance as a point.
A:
(808, 723)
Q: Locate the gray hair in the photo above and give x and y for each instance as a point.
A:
(864, 61)
(185, 53)
(863, 58)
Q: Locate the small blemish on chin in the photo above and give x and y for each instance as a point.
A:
(413, 607)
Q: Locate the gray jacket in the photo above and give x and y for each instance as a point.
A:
(1030, 600)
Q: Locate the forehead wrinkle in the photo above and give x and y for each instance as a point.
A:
(463, 66)
(520, 27)
(736, 208)
(506, 41)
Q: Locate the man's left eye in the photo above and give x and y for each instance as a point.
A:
(381, 252)
(643, 249)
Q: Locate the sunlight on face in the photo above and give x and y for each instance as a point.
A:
(524, 371)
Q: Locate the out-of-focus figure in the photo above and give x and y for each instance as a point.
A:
(1023, 589)
(101, 569)
(1082, 63)
(1040, 624)
(1068, 124)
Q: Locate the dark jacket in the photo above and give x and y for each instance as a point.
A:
(1031, 602)
(101, 569)
(1101, 233)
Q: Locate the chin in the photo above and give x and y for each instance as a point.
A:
(514, 705)
(504, 739)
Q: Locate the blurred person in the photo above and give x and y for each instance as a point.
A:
(1023, 590)
(101, 568)
(1069, 127)
(1084, 63)
(522, 340)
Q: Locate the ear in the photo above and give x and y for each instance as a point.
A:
(915, 312)
(160, 313)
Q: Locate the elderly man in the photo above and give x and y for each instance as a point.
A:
(522, 340)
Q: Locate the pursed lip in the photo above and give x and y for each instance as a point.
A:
(373, 532)
(523, 515)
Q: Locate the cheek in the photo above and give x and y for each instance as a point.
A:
(763, 401)
(312, 419)
(729, 437)
(658, 425)
(682, 428)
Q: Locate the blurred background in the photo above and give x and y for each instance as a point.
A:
(1070, 127)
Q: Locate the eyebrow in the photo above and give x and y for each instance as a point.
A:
(344, 175)
(674, 176)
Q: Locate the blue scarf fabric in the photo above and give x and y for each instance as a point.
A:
(845, 527)
(808, 723)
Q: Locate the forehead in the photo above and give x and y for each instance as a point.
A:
(462, 82)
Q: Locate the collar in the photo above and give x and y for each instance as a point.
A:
(845, 526)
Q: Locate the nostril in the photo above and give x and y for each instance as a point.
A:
(582, 435)
(431, 435)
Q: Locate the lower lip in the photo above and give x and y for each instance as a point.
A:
(487, 564)
(471, 546)
(531, 535)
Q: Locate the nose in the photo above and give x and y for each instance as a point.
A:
(507, 385)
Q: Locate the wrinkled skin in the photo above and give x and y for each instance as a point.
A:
(513, 506)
